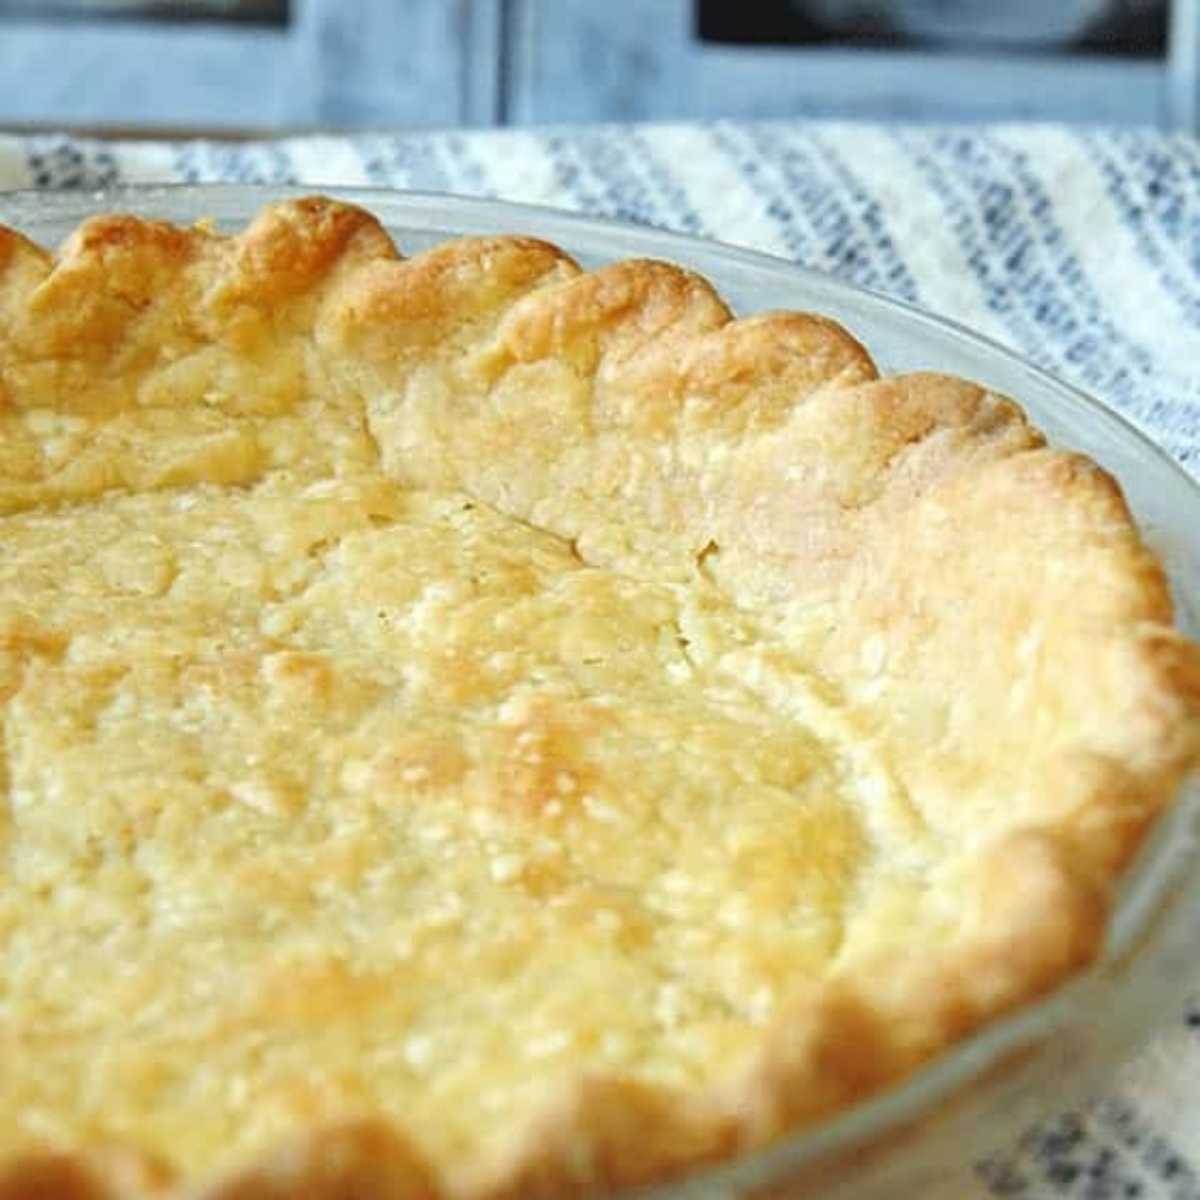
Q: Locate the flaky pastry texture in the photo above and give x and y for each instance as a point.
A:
(475, 728)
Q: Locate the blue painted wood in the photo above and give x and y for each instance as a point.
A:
(581, 61)
(384, 63)
(85, 73)
(1183, 95)
(405, 63)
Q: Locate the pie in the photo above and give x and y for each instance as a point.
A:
(476, 728)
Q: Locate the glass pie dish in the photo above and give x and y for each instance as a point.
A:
(917, 1136)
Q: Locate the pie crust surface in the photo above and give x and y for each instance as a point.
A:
(477, 728)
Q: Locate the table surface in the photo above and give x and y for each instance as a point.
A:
(1077, 247)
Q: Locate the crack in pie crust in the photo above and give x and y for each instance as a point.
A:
(476, 728)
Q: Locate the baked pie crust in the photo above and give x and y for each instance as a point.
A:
(477, 728)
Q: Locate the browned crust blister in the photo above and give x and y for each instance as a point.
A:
(954, 564)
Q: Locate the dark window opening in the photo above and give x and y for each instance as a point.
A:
(250, 12)
(1127, 28)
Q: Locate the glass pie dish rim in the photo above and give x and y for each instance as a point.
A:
(1162, 886)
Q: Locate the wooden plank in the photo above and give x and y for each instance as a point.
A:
(86, 72)
(1183, 85)
(368, 64)
(575, 60)
(383, 63)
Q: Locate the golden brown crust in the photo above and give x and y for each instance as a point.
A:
(364, 1158)
(23, 266)
(111, 1173)
(882, 529)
